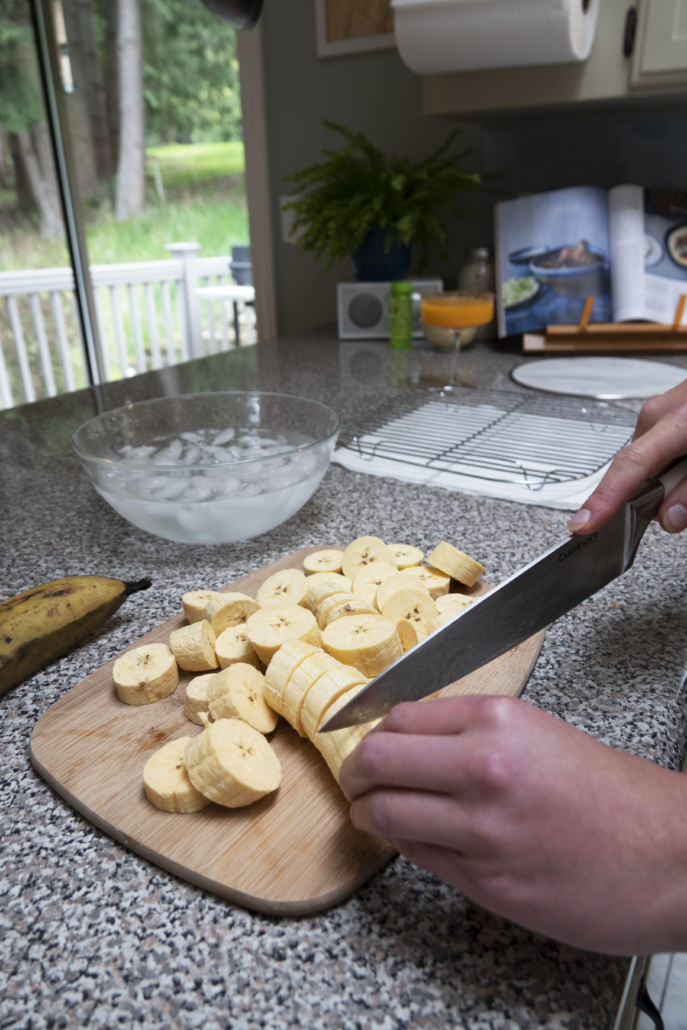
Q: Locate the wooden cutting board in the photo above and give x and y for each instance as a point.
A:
(292, 853)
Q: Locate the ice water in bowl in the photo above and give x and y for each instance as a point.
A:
(213, 484)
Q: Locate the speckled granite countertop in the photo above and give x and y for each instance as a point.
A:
(92, 935)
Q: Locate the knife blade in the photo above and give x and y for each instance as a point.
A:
(531, 599)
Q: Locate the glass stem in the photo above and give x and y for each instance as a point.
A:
(454, 359)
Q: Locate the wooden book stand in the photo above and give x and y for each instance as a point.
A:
(609, 337)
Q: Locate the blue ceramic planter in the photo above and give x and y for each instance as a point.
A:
(372, 264)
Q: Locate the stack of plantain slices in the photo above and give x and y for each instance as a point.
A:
(309, 642)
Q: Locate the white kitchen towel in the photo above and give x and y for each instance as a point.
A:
(566, 496)
(436, 36)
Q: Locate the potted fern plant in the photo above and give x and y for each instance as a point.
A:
(358, 200)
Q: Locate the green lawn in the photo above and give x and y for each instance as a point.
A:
(206, 202)
(215, 224)
(184, 166)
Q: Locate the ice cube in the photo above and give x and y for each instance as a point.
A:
(168, 456)
(229, 486)
(172, 487)
(191, 455)
(192, 437)
(225, 436)
(222, 454)
(199, 489)
(251, 489)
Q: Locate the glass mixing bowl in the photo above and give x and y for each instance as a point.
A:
(209, 468)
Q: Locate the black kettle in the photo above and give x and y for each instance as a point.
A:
(243, 14)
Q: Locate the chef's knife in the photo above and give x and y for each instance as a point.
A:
(518, 608)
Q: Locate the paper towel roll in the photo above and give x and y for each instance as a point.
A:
(436, 36)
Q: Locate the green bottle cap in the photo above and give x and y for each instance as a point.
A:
(401, 288)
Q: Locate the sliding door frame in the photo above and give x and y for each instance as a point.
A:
(251, 72)
(56, 113)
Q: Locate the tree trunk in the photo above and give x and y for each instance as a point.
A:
(112, 83)
(22, 186)
(94, 86)
(131, 169)
(37, 156)
(3, 155)
(78, 109)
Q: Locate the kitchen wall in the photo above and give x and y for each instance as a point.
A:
(371, 92)
(574, 149)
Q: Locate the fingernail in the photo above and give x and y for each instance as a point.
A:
(579, 520)
(675, 519)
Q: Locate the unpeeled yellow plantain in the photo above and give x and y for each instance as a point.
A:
(43, 623)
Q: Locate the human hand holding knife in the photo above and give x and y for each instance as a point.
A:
(526, 815)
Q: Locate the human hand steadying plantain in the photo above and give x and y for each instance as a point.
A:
(530, 818)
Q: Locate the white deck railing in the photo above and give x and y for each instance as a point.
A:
(149, 315)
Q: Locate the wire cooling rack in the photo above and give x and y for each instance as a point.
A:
(500, 436)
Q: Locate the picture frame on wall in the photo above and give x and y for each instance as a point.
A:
(353, 26)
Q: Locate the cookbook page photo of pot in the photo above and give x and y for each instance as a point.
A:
(626, 246)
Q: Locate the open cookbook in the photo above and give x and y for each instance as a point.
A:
(627, 246)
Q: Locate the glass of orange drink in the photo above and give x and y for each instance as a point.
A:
(456, 310)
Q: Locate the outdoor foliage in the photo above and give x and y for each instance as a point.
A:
(21, 102)
(191, 77)
(358, 188)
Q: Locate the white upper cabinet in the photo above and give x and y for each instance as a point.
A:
(660, 57)
(655, 72)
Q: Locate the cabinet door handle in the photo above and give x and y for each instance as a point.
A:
(630, 32)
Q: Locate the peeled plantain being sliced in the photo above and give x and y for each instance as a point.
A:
(229, 610)
(322, 589)
(437, 582)
(197, 704)
(406, 556)
(455, 564)
(353, 606)
(329, 604)
(341, 582)
(337, 745)
(324, 692)
(394, 584)
(368, 642)
(303, 678)
(369, 579)
(233, 645)
(411, 633)
(271, 627)
(440, 620)
(145, 674)
(232, 764)
(281, 669)
(362, 552)
(238, 692)
(453, 603)
(194, 647)
(194, 603)
(328, 560)
(411, 605)
(166, 781)
(286, 587)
